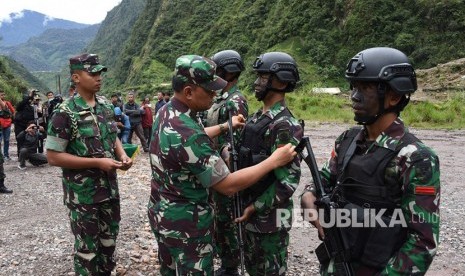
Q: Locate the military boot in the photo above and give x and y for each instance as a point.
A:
(3, 189)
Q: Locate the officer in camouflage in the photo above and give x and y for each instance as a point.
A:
(267, 231)
(186, 167)
(229, 67)
(82, 139)
(383, 167)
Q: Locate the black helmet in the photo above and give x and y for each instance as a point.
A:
(386, 65)
(229, 60)
(280, 64)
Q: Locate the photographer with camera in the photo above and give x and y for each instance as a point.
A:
(25, 113)
(6, 120)
(29, 140)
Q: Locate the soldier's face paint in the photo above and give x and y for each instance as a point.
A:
(261, 86)
(365, 103)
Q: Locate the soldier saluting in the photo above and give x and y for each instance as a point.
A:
(185, 167)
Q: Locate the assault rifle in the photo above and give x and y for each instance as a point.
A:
(237, 201)
(334, 245)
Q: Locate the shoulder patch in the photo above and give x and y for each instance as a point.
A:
(422, 190)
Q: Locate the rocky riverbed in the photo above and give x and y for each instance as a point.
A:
(35, 237)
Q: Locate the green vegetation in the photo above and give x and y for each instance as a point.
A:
(329, 108)
(321, 35)
(16, 80)
(140, 40)
(444, 115)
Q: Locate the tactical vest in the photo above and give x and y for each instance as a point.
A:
(213, 115)
(361, 185)
(255, 148)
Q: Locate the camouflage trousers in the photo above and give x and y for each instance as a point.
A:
(185, 256)
(226, 242)
(266, 253)
(95, 228)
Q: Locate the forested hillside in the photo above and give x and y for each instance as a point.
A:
(321, 34)
(15, 79)
(51, 50)
(140, 39)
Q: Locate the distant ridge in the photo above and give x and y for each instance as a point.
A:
(27, 24)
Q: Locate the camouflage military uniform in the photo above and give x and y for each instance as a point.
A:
(225, 229)
(267, 236)
(416, 169)
(184, 167)
(91, 195)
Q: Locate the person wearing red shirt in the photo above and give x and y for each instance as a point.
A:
(5, 123)
(147, 119)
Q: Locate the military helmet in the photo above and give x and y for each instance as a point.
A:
(229, 60)
(280, 64)
(383, 64)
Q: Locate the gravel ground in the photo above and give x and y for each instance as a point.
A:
(35, 237)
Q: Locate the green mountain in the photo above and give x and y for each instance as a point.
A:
(115, 30)
(16, 80)
(47, 55)
(51, 50)
(322, 35)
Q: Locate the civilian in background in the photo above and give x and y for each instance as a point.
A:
(147, 118)
(25, 113)
(135, 112)
(29, 139)
(160, 101)
(5, 122)
(123, 124)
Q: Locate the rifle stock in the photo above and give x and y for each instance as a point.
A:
(334, 244)
(237, 201)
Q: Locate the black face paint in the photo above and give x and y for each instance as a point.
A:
(260, 87)
(365, 104)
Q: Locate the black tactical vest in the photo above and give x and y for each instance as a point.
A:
(255, 148)
(360, 185)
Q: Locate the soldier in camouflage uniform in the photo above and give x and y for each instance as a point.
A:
(382, 166)
(229, 67)
(267, 231)
(82, 139)
(186, 167)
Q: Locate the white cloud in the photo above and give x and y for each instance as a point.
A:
(46, 19)
(82, 11)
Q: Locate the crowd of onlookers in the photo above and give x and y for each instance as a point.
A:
(29, 120)
(133, 118)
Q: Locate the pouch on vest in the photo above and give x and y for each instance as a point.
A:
(244, 158)
(371, 246)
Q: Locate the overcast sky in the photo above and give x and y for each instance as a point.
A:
(81, 11)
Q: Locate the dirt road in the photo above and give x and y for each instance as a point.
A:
(35, 238)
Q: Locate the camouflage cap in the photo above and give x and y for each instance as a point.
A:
(200, 71)
(86, 62)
